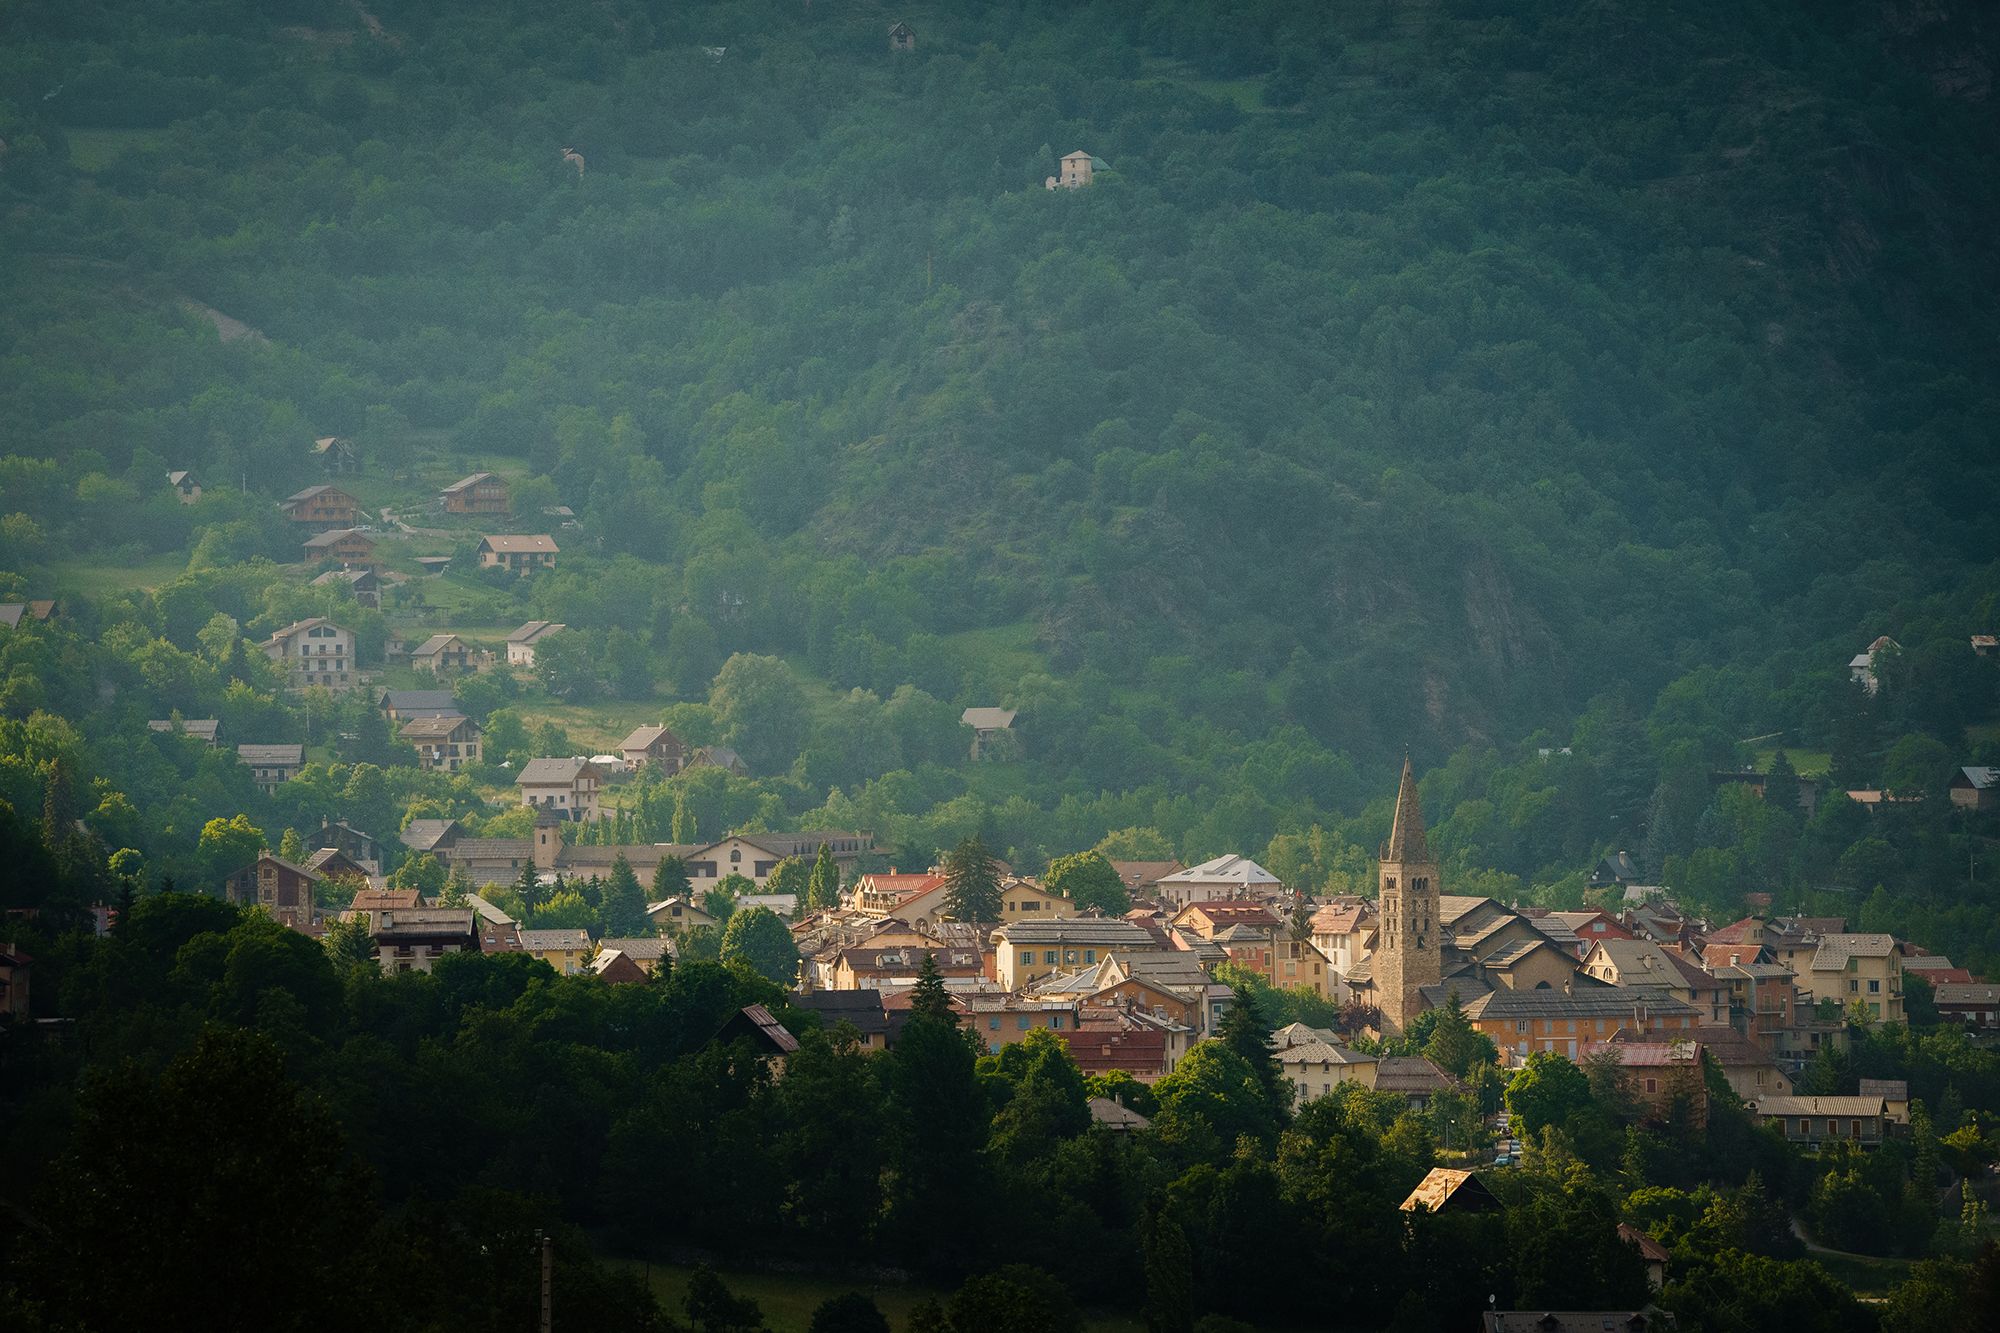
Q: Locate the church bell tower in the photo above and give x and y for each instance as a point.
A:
(1408, 955)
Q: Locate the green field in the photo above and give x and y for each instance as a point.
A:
(788, 1299)
(94, 580)
(1806, 763)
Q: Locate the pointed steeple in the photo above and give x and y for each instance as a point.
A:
(1406, 843)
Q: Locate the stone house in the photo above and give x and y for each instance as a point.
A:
(272, 764)
(278, 886)
(314, 652)
(441, 654)
(657, 746)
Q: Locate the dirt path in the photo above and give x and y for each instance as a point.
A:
(228, 328)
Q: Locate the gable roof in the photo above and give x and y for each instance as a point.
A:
(1979, 778)
(272, 754)
(1835, 950)
(551, 772)
(644, 738)
(1230, 869)
(551, 940)
(534, 630)
(423, 835)
(988, 719)
(435, 726)
(467, 483)
(408, 701)
(521, 544)
(436, 643)
(1444, 1186)
(756, 1022)
(201, 727)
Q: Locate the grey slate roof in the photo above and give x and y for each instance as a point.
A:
(1081, 931)
(551, 772)
(1835, 950)
(1595, 1002)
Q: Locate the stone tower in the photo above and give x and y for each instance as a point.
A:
(1407, 953)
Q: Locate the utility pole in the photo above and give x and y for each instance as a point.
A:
(548, 1276)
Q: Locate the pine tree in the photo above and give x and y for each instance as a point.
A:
(1243, 1031)
(58, 807)
(823, 889)
(1453, 1045)
(1169, 1274)
(458, 888)
(670, 879)
(622, 906)
(1781, 785)
(930, 998)
(528, 887)
(972, 883)
(684, 830)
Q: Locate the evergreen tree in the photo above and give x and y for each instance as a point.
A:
(458, 887)
(823, 889)
(1244, 1031)
(1453, 1045)
(622, 905)
(670, 879)
(1781, 785)
(930, 998)
(58, 807)
(684, 830)
(291, 847)
(528, 887)
(972, 883)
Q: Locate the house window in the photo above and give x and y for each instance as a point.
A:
(1857, 1129)
(1874, 988)
(1056, 1022)
(1021, 1023)
(1027, 958)
(993, 1025)
(1090, 955)
(1049, 957)
(1805, 1129)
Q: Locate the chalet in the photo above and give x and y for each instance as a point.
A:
(442, 653)
(565, 787)
(324, 506)
(986, 724)
(371, 900)
(444, 743)
(431, 835)
(756, 855)
(1651, 1253)
(657, 746)
(480, 493)
(350, 546)
(13, 613)
(1985, 645)
(279, 887)
(1974, 1004)
(894, 968)
(521, 643)
(490, 860)
(567, 951)
(363, 847)
(1976, 789)
(754, 1023)
(1076, 171)
(336, 453)
(1447, 1191)
(364, 584)
(314, 652)
(1616, 870)
(902, 37)
(719, 756)
(187, 486)
(271, 765)
(521, 554)
(203, 729)
(1226, 878)
(402, 705)
(614, 968)
(413, 940)
(332, 863)
(1817, 1120)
